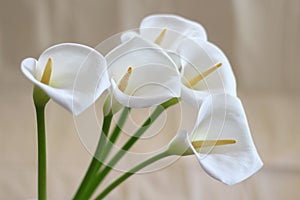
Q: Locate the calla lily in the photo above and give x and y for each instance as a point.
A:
(205, 71)
(204, 67)
(221, 140)
(168, 30)
(76, 75)
(142, 74)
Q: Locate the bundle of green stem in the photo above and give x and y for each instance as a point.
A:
(97, 172)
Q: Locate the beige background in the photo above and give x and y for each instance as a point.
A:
(260, 37)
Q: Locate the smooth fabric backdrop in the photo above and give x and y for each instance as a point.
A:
(261, 39)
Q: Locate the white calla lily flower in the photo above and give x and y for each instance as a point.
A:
(221, 140)
(142, 74)
(204, 67)
(205, 71)
(168, 30)
(76, 75)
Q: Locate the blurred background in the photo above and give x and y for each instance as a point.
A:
(260, 38)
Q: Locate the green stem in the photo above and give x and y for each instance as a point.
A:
(156, 113)
(116, 132)
(95, 164)
(42, 163)
(125, 176)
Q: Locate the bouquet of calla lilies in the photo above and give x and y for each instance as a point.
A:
(166, 61)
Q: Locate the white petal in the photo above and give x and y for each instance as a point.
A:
(197, 57)
(177, 29)
(223, 117)
(78, 78)
(128, 35)
(149, 85)
(135, 52)
(193, 97)
(154, 79)
(131, 34)
(28, 67)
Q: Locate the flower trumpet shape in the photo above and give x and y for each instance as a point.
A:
(221, 140)
(203, 66)
(73, 75)
(205, 70)
(168, 30)
(142, 73)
